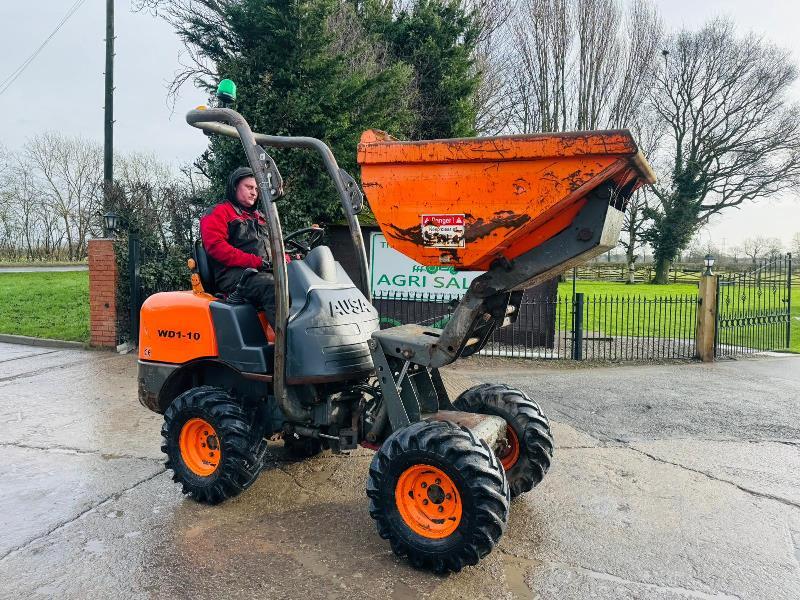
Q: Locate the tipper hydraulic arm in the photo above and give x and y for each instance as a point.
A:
(544, 228)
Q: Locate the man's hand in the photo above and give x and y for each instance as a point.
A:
(266, 265)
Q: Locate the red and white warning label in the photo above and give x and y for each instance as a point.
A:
(443, 231)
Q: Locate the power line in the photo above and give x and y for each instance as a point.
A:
(18, 71)
(8, 81)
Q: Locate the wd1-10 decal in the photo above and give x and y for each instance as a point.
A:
(189, 336)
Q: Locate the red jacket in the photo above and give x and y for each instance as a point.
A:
(234, 239)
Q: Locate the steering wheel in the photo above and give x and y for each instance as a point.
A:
(292, 242)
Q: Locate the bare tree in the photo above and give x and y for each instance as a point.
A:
(29, 229)
(648, 131)
(51, 192)
(643, 32)
(208, 15)
(734, 252)
(709, 247)
(544, 36)
(581, 64)
(494, 63)
(493, 104)
(755, 247)
(68, 174)
(599, 48)
(774, 248)
(163, 203)
(796, 244)
(634, 224)
(731, 134)
(7, 225)
(28, 209)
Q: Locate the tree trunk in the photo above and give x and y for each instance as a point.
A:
(662, 271)
(630, 261)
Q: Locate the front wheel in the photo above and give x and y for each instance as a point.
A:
(214, 448)
(439, 495)
(529, 449)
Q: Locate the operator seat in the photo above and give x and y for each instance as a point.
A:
(243, 338)
(203, 268)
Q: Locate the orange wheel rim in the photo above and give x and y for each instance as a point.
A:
(509, 455)
(428, 501)
(200, 447)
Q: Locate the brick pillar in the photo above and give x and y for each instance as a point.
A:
(102, 293)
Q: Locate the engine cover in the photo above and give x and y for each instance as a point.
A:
(330, 322)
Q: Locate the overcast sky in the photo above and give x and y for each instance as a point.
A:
(63, 88)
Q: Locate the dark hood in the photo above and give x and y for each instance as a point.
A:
(235, 177)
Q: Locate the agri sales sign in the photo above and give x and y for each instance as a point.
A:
(394, 273)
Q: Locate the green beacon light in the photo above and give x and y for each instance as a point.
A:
(226, 91)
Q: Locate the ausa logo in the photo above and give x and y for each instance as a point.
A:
(349, 306)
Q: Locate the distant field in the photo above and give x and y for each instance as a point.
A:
(637, 310)
(56, 305)
(642, 290)
(47, 305)
(27, 263)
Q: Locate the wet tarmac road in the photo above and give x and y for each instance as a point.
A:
(669, 482)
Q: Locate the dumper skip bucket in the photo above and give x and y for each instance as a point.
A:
(468, 202)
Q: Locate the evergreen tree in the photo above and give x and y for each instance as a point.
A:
(303, 69)
(437, 39)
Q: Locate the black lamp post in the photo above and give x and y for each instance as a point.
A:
(708, 261)
(111, 221)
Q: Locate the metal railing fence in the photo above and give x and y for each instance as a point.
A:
(584, 327)
(753, 314)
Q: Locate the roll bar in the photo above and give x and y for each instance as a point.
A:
(350, 195)
(228, 122)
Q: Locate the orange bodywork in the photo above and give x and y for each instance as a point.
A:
(176, 327)
(268, 331)
(467, 202)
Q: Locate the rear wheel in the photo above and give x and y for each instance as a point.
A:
(439, 495)
(529, 449)
(214, 447)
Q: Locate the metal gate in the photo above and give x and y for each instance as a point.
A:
(147, 268)
(754, 309)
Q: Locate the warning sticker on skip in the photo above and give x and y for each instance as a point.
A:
(443, 231)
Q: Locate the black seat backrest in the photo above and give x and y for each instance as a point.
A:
(203, 268)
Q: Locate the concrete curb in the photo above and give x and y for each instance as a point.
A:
(43, 342)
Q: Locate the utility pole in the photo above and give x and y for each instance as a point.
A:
(108, 139)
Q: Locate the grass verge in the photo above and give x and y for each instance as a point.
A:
(45, 305)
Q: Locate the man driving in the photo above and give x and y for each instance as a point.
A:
(235, 237)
